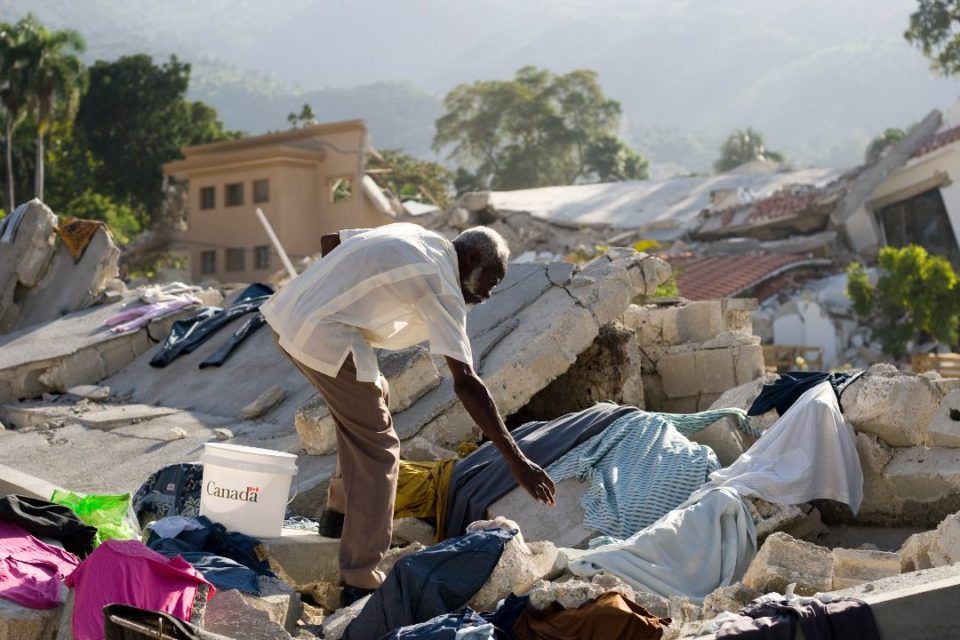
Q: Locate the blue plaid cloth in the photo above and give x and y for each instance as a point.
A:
(641, 467)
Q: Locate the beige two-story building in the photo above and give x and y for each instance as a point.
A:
(308, 181)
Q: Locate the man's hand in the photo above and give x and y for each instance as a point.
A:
(479, 404)
(535, 481)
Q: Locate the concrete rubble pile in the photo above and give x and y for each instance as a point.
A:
(40, 280)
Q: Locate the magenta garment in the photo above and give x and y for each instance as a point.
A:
(32, 571)
(139, 316)
(127, 572)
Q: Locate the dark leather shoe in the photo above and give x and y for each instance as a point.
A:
(349, 595)
(330, 524)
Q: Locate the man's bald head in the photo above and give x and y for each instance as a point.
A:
(483, 255)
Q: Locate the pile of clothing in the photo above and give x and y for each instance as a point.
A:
(426, 593)
(85, 543)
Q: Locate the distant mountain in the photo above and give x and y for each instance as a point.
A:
(818, 77)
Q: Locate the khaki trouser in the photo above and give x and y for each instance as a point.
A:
(364, 485)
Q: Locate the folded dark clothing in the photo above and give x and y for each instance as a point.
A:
(188, 334)
(213, 538)
(223, 573)
(483, 477)
(49, 520)
(782, 393)
(247, 329)
(838, 620)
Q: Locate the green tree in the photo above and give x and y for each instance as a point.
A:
(54, 80)
(536, 130)
(935, 29)
(305, 118)
(121, 218)
(613, 161)
(741, 147)
(409, 178)
(134, 118)
(917, 297)
(13, 95)
(881, 143)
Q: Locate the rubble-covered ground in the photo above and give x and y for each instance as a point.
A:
(83, 409)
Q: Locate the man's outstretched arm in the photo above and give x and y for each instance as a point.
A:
(479, 404)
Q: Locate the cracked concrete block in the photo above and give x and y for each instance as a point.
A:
(783, 560)
(945, 546)
(944, 427)
(748, 363)
(927, 478)
(419, 448)
(410, 373)
(715, 371)
(279, 600)
(879, 493)
(336, 624)
(679, 375)
(857, 566)
(21, 623)
(700, 321)
(264, 403)
(90, 392)
(303, 558)
(731, 598)
(771, 518)
(810, 528)
(915, 552)
(894, 405)
(229, 614)
(742, 397)
(315, 427)
(517, 572)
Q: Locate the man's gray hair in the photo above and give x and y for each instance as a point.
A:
(489, 245)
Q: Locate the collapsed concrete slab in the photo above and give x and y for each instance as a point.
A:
(40, 280)
(782, 560)
(539, 320)
(76, 349)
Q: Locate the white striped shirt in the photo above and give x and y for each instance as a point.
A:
(390, 288)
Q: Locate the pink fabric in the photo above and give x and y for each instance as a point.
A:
(139, 316)
(31, 571)
(127, 572)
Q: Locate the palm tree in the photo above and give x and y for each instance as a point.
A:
(743, 146)
(55, 80)
(12, 95)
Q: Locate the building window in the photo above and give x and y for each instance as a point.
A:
(261, 190)
(920, 220)
(234, 194)
(208, 198)
(261, 257)
(235, 260)
(341, 190)
(208, 262)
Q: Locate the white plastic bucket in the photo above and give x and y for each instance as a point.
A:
(246, 489)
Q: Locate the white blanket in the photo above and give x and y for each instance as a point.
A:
(690, 552)
(809, 453)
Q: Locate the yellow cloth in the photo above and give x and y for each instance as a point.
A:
(422, 491)
(77, 234)
(466, 448)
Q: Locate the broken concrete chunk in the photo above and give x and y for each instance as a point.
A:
(410, 373)
(408, 530)
(732, 597)
(90, 392)
(857, 566)
(336, 624)
(231, 615)
(422, 449)
(770, 518)
(177, 433)
(516, 572)
(896, 406)
(264, 403)
(223, 433)
(279, 600)
(915, 552)
(944, 427)
(783, 560)
(316, 428)
(18, 622)
(561, 524)
(810, 528)
(302, 558)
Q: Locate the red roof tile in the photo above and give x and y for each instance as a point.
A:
(717, 277)
(942, 139)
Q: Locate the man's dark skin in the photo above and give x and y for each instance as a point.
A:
(471, 390)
